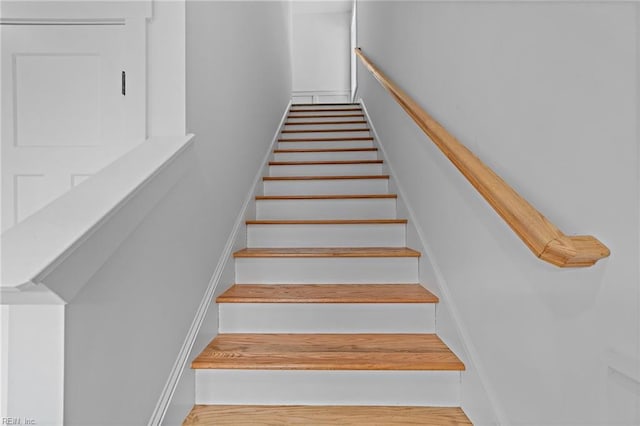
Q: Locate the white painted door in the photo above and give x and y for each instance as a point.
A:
(64, 115)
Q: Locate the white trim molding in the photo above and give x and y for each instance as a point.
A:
(45, 21)
(68, 10)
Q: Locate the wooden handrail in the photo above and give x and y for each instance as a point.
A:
(544, 239)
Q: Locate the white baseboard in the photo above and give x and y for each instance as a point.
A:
(472, 358)
(185, 352)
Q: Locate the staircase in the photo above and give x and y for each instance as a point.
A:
(327, 322)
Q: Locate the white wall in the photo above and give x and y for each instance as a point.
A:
(166, 70)
(546, 94)
(320, 51)
(125, 328)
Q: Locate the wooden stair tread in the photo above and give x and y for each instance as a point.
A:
(302, 150)
(325, 110)
(328, 352)
(322, 163)
(326, 104)
(324, 115)
(325, 177)
(344, 139)
(261, 415)
(320, 107)
(324, 130)
(325, 197)
(327, 293)
(313, 123)
(329, 222)
(327, 252)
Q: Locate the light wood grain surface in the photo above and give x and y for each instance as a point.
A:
(324, 115)
(328, 222)
(261, 415)
(356, 138)
(313, 123)
(328, 252)
(325, 177)
(324, 104)
(419, 352)
(323, 109)
(323, 130)
(324, 197)
(322, 163)
(542, 237)
(327, 293)
(279, 151)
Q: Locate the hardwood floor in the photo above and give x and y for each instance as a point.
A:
(328, 352)
(327, 293)
(354, 138)
(324, 415)
(328, 252)
(328, 222)
(324, 197)
(348, 177)
(309, 151)
(323, 163)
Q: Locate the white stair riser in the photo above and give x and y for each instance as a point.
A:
(326, 187)
(327, 318)
(331, 126)
(326, 170)
(325, 144)
(367, 208)
(336, 134)
(326, 156)
(327, 235)
(300, 387)
(309, 118)
(327, 270)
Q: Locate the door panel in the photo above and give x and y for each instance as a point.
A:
(63, 112)
(57, 100)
